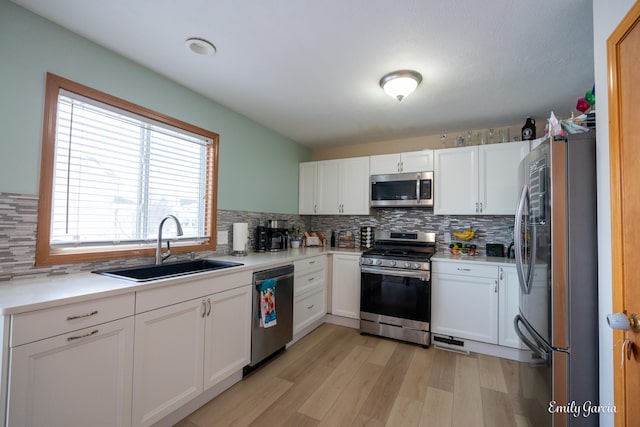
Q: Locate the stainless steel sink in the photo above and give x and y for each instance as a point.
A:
(162, 271)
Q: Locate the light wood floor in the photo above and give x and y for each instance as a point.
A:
(337, 377)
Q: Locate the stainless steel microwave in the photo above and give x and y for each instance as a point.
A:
(402, 190)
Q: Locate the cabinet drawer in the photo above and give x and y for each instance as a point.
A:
(309, 264)
(302, 282)
(474, 269)
(308, 308)
(40, 324)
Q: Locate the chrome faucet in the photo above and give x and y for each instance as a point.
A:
(159, 257)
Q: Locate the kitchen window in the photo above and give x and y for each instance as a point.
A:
(111, 170)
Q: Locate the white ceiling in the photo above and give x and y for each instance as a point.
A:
(310, 69)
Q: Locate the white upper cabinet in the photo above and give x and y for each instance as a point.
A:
(413, 161)
(498, 183)
(480, 179)
(307, 188)
(334, 187)
(455, 177)
(354, 186)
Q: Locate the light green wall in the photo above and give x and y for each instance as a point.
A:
(258, 168)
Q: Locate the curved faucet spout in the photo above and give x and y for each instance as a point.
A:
(159, 257)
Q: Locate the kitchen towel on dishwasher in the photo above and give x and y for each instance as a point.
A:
(268, 303)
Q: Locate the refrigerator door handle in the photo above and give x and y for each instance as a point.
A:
(524, 280)
(535, 345)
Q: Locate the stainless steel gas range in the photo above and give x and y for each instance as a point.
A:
(395, 296)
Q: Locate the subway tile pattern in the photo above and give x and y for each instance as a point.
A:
(18, 221)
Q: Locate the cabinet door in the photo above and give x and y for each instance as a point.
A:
(227, 344)
(384, 164)
(465, 307)
(168, 363)
(345, 286)
(509, 297)
(354, 186)
(307, 188)
(79, 379)
(327, 186)
(455, 181)
(498, 184)
(417, 161)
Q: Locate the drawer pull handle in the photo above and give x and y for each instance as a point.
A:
(312, 262)
(77, 337)
(310, 279)
(93, 313)
(310, 307)
(464, 269)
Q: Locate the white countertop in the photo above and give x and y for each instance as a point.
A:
(21, 295)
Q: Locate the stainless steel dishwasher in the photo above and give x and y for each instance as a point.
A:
(266, 341)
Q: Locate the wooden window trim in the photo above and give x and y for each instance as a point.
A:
(45, 255)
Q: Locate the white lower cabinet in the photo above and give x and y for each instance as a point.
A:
(475, 301)
(310, 292)
(78, 379)
(345, 286)
(168, 360)
(509, 297)
(183, 349)
(227, 335)
(464, 301)
(309, 307)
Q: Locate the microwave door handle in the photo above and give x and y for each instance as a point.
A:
(418, 188)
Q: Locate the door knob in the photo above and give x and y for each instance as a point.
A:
(622, 322)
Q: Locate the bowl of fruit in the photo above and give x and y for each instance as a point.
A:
(460, 248)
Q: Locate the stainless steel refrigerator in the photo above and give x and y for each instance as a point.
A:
(556, 257)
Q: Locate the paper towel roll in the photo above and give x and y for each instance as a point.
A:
(240, 237)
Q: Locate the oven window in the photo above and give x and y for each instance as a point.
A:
(401, 297)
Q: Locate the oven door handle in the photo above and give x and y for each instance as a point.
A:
(418, 274)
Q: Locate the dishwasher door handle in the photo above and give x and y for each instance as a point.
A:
(277, 278)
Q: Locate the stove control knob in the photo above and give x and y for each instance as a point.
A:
(392, 263)
(407, 265)
(416, 265)
(378, 262)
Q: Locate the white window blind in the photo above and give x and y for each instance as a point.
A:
(117, 174)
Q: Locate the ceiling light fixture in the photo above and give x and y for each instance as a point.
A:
(200, 47)
(401, 83)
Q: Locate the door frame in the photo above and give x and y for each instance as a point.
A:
(613, 60)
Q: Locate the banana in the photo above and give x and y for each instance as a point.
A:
(467, 234)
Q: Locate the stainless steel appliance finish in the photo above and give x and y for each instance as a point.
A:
(556, 258)
(266, 341)
(395, 296)
(402, 189)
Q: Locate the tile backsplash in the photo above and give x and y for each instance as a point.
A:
(489, 229)
(18, 221)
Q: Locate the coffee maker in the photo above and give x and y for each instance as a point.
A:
(273, 236)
